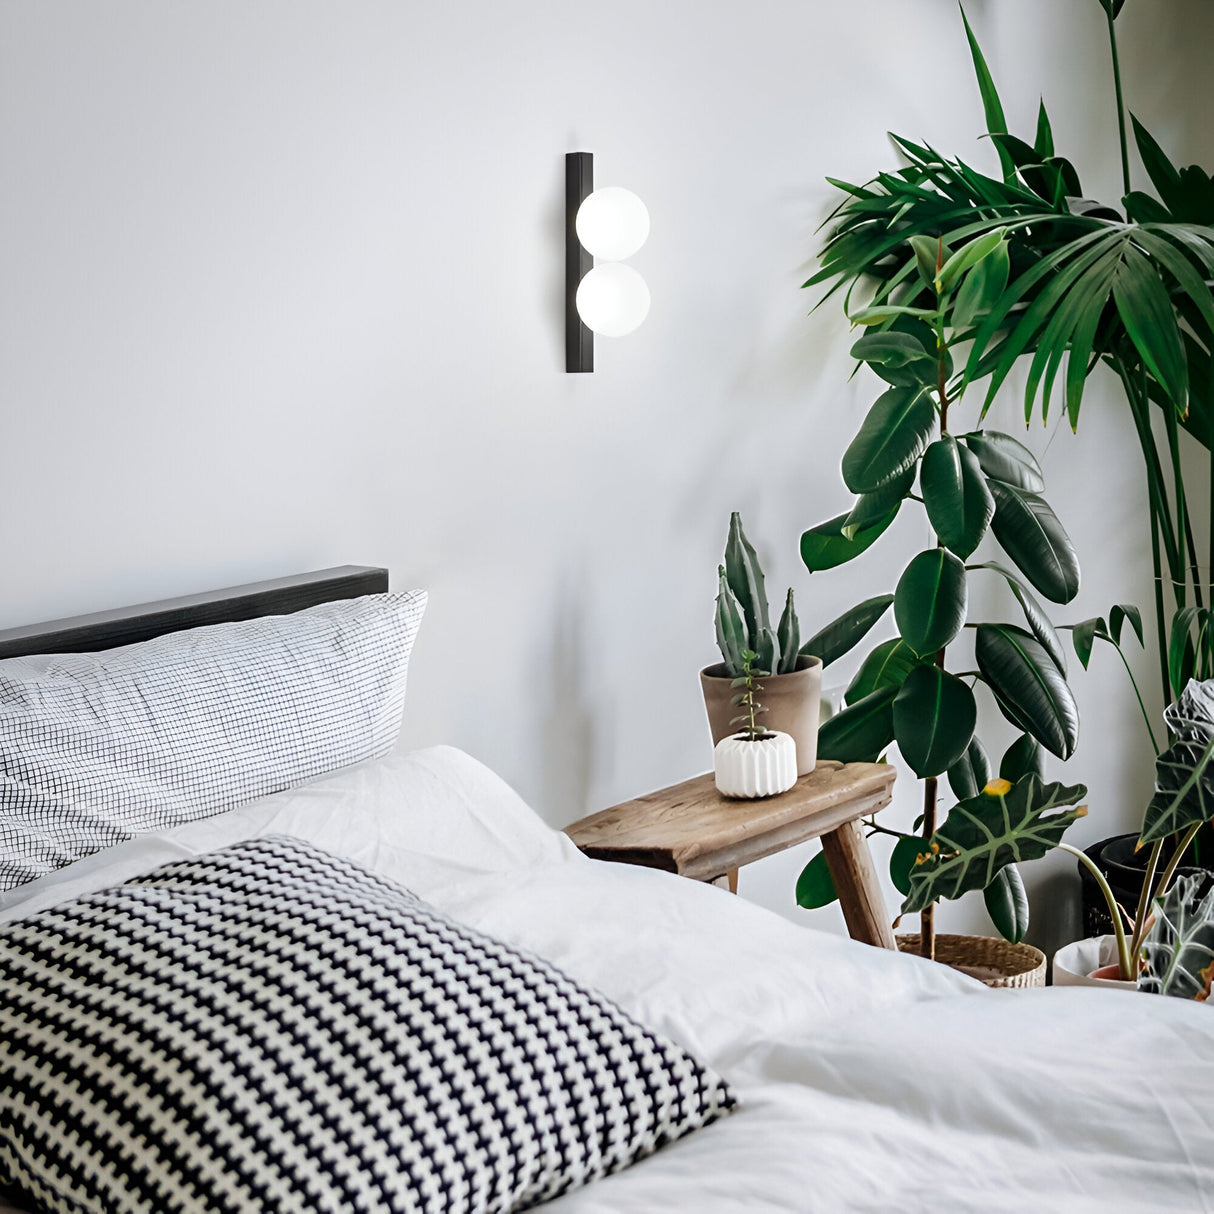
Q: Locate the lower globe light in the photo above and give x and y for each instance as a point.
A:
(612, 299)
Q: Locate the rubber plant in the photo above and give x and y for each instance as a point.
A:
(969, 482)
(1090, 285)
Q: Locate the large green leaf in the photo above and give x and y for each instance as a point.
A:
(1030, 533)
(861, 731)
(959, 504)
(1005, 459)
(1039, 623)
(1007, 903)
(930, 600)
(887, 666)
(890, 349)
(993, 107)
(969, 775)
(844, 632)
(816, 885)
(968, 256)
(890, 441)
(1149, 318)
(983, 834)
(1178, 952)
(982, 287)
(1184, 789)
(1022, 758)
(902, 860)
(1029, 689)
(872, 508)
(825, 546)
(934, 718)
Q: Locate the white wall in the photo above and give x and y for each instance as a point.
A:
(280, 287)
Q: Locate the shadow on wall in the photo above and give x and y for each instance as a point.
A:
(567, 730)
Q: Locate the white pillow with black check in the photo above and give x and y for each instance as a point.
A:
(269, 1028)
(99, 747)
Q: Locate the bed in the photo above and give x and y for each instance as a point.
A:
(857, 1078)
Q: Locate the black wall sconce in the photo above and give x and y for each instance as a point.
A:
(611, 298)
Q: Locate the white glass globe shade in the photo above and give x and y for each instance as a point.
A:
(612, 299)
(612, 223)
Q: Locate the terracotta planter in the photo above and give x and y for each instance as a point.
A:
(1087, 962)
(791, 701)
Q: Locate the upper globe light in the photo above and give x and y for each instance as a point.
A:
(612, 299)
(612, 223)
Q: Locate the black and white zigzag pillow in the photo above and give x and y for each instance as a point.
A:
(271, 1030)
(98, 747)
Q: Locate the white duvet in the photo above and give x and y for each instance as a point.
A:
(867, 1080)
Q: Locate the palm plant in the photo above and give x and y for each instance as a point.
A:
(1088, 285)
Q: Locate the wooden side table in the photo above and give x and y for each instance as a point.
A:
(692, 830)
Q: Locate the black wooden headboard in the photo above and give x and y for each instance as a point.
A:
(126, 625)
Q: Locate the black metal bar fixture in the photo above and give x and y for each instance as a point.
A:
(609, 224)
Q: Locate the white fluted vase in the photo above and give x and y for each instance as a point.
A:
(761, 768)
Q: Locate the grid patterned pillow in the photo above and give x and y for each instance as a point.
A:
(98, 747)
(269, 1028)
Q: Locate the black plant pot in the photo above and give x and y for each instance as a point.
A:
(1125, 870)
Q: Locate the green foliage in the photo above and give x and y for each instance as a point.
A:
(1030, 690)
(844, 633)
(930, 600)
(891, 439)
(971, 772)
(934, 718)
(861, 731)
(742, 618)
(886, 666)
(1178, 951)
(1184, 789)
(932, 295)
(826, 546)
(959, 505)
(983, 834)
(1007, 903)
(815, 885)
(1071, 284)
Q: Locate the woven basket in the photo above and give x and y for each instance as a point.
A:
(987, 958)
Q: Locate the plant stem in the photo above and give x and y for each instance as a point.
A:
(1168, 873)
(927, 916)
(1125, 155)
(1138, 694)
(1144, 898)
(1123, 948)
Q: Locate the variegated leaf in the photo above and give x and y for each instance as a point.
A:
(1178, 952)
(1184, 790)
(1003, 824)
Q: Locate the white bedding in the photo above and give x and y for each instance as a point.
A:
(867, 1080)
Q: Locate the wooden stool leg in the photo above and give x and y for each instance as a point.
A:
(851, 865)
(727, 881)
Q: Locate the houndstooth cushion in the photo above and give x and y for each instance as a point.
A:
(98, 747)
(271, 1030)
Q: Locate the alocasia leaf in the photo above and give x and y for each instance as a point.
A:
(1004, 824)
(1178, 952)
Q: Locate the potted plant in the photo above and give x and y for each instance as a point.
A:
(743, 623)
(1182, 804)
(969, 484)
(1178, 952)
(1086, 285)
(754, 762)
